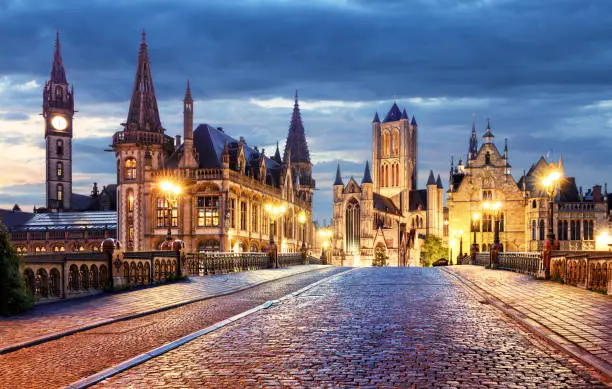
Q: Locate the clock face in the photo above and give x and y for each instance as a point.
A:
(59, 123)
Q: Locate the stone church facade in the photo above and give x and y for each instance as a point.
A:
(385, 212)
(523, 217)
(226, 184)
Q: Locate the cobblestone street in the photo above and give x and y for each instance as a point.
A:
(373, 327)
(60, 362)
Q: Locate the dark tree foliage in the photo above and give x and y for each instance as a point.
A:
(14, 297)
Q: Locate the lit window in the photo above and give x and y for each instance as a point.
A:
(130, 169)
(60, 169)
(208, 211)
(60, 192)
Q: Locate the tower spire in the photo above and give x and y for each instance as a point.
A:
(58, 74)
(143, 113)
(473, 149)
(338, 180)
(296, 139)
(367, 177)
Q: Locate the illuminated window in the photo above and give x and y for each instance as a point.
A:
(395, 142)
(208, 211)
(130, 201)
(130, 169)
(254, 218)
(60, 169)
(243, 215)
(60, 192)
(161, 214)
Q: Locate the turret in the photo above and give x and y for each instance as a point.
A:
(188, 159)
(488, 135)
(338, 184)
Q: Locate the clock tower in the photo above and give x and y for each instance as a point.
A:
(58, 110)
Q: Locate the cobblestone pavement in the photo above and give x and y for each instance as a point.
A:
(373, 327)
(577, 315)
(63, 361)
(59, 317)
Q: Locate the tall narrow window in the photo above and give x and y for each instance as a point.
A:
(534, 232)
(385, 143)
(487, 158)
(395, 142)
(161, 214)
(573, 230)
(60, 170)
(60, 192)
(387, 175)
(130, 201)
(588, 229)
(243, 215)
(208, 211)
(501, 222)
(130, 169)
(397, 175)
(542, 229)
(59, 147)
(254, 218)
(232, 213)
(59, 93)
(353, 230)
(487, 222)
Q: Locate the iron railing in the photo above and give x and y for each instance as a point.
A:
(521, 262)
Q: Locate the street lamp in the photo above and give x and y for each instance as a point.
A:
(550, 184)
(495, 210)
(325, 234)
(475, 226)
(275, 212)
(171, 192)
(302, 221)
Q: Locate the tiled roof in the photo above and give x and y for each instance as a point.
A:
(417, 198)
(70, 220)
(393, 115)
(385, 204)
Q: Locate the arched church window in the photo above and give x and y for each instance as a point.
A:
(60, 169)
(395, 142)
(397, 175)
(59, 147)
(386, 140)
(130, 169)
(352, 226)
(60, 192)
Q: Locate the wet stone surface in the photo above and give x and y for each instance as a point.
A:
(389, 327)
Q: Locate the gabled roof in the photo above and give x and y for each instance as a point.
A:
(394, 114)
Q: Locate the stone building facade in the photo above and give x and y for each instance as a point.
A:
(226, 184)
(385, 211)
(523, 218)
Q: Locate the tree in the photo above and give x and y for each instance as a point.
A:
(380, 259)
(433, 249)
(14, 297)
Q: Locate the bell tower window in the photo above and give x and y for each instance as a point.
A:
(59, 93)
(395, 142)
(130, 169)
(59, 147)
(60, 193)
(60, 170)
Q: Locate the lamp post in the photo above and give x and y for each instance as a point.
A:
(495, 210)
(460, 246)
(275, 212)
(475, 225)
(325, 234)
(550, 183)
(302, 220)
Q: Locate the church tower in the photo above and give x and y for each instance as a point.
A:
(141, 147)
(394, 155)
(58, 111)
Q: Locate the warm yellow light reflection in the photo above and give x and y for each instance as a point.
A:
(475, 216)
(302, 217)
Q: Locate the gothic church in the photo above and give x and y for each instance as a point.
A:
(386, 212)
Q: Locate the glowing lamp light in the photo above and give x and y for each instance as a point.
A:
(302, 217)
(476, 216)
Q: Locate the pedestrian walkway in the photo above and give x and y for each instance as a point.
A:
(52, 319)
(577, 316)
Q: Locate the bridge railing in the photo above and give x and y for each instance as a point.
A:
(521, 262)
(483, 259)
(210, 263)
(589, 270)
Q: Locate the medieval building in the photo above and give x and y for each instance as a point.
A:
(385, 212)
(226, 186)
(523, 216)
(69, 221)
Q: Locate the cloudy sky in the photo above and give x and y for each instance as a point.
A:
(541, 70)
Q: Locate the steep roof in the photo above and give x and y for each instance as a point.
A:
(431, 180)
(417, 198)
(385, 204)
(12, 219)
(296, 139)
(143, 113)
(58, 74)
(439, 182)
(338, 180)
(394, 114)
(376, 118)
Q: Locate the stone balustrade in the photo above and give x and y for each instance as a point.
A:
(210, 263)
(483, 259)
(521, 262)
(589, 270)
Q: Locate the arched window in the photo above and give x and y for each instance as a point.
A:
(397, 175)
(60, 192)
(59, 147)
(395, 142)
(130, 169)
(60, 169)
(385, 144)
(59, 93)
(534, 204)
(387, 182)
(541, 229)
(353, 230)
(534, 230)
(487, 158)
(501, 222)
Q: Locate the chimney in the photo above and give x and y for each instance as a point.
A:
(597, 194)
(178, 140)
(220, 129)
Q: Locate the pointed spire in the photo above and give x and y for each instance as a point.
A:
(58, 74)
(277, 156)
(560, 164)
(367, 177)
(338, 180)
(431, 180)
(188, 92)
(439, 182)
(376, 119)
(404, 114)
(296, 138)
(488, 135)
(413, 121)
(143, 113)
(394, 114)
(473, 149)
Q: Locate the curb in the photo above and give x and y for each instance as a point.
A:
(48, 338)
(140, 359)
(546, 334)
